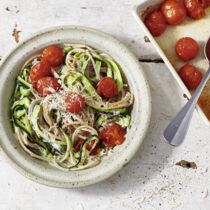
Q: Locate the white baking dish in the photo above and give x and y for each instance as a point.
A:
(199, 29)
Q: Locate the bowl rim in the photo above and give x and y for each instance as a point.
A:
(51, 183)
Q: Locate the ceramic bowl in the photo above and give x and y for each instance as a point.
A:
(40, 171)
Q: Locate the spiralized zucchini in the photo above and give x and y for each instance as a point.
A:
(47, 131)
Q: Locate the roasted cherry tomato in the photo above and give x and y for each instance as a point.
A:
(41, 69)
(74, 103)
(187, 48)
(112, 135)
(191, 76)
(47, 85)
(54, 55)
(156, 23)
(173, 11)
(107, 87)
(194, 8)
(89, 145)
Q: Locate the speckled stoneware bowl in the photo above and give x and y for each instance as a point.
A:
(42, 172)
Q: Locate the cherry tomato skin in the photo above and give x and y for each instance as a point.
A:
(112, 135)
(54, 55)
(74, 103)
(156, 23)
(187, 48)
(39, 70)
(47, 85)
(191, 76)
(194, 8)
(173, 11)
(107, 87)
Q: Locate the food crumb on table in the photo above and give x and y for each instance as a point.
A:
(187, 164)
(16, 34)
(7, 9)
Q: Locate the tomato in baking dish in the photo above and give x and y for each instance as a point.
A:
(187, 48)
(156, 23)
(191, 76)
(174, 11)
(195, 8)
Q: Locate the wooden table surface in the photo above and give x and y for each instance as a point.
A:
(152, 180)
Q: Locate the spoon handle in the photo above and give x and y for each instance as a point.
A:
(177, 129)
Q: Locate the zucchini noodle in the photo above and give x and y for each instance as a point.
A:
(44, 127)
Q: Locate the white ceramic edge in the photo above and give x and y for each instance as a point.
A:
(135, 12)
(147, 122)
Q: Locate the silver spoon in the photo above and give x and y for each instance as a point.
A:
(177, 128)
